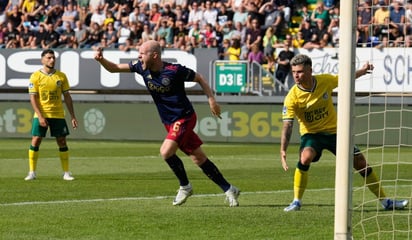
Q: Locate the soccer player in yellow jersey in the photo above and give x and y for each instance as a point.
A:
(310, 102)
(46, 88)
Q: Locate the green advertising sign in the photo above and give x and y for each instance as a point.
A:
(230, 76)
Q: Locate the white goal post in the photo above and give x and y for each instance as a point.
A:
(344, 151)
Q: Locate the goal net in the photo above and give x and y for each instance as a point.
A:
(383, 131)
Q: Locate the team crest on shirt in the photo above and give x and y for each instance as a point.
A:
(31, 85)
(166, 81)
(59, 83)
(325, 95)
(284, 110)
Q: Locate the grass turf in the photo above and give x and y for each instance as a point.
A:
(123, 190)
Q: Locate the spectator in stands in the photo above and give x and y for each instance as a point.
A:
(52, 37)
(320, 33)
(379, 17)
(273, 18)
(180, 36)
(110, 36)
(85, 16)
(94, 36)
(253, 13)
(165, 31)
(408, 24)
(110, 18)
(254, 35)
(195, 35)
(137, 15)
(136, 30)
(2, 37)
(256, 54)
(15, 17)
(195, 15)
(39, 36)
(305, 13)
(33, 12)
(94, 4)
(222, 51)
(123, 33)
(167, 13)
(182, 14)
(298, 40)
(26, 36)
(283, 69)
(12, 36)
(333, 32)
(234, 50)
(238, 32)
(209, 14)
(54, 13)
(320, 12)
(269, 46)
(240, 15)
(209, 36)
(396, 37)
(397, 14)
(81, 34)
(101, 45)
(147, 33)
(224, 16)
(365, 19)
(154, 16)
(98, 16)
(227, 29)
(286, 7)
(70, 15)
(122, 14)
(67, 37)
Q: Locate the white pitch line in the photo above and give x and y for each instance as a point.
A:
(148, 198)
(169, 197)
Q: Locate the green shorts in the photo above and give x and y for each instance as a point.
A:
(58, 127)
(321, 141)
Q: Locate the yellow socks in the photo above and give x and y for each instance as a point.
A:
(64, 158)
(374, 185)
(33, 157)
(300, 182)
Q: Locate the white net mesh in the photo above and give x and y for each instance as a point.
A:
(383, 122)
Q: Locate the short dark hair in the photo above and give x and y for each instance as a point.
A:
(47, 51)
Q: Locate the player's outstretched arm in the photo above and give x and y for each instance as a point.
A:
(108, 65)
(365, 69)
(214, 106)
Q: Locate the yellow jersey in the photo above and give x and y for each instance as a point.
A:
(49, 89)
(314, 109)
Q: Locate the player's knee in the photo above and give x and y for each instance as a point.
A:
(302, 167)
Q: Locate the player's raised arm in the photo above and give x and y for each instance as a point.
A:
(108, 65)
(366, 68)
(214, 106)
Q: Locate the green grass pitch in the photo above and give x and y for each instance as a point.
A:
(124, 190)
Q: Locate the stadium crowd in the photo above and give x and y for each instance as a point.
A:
(234, 27)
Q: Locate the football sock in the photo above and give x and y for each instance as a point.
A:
(176, 164)
(374, 185)
(210, 169)
(64, 158)
(299, 183)
(33, 157)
